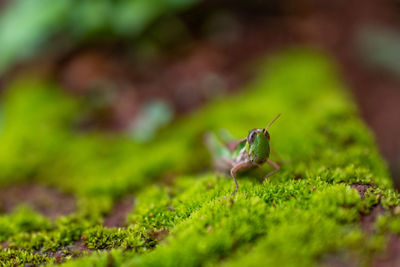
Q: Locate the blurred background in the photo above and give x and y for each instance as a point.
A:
(139, 64)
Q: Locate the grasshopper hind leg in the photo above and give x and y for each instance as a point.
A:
(233, 174)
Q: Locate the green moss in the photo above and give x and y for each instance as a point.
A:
(102, 238)
(20, 258)
(301, 216)
(22, 220)
(389, 222)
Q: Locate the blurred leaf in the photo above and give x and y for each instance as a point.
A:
(152, 117)
(380, 46)
(93, 16)
(133, 16)
(26, 26)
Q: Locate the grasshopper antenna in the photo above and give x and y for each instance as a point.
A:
(272, 122)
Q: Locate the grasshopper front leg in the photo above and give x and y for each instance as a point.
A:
(274, 165)
(235, 169)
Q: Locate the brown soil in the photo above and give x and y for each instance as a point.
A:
(121, 209)
(76, 250)
(48, 201)
(391, 256)
(339, 260)
(368, 220)
(361, 188)
(160, 235)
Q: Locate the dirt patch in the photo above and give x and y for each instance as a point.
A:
(361, 188)
(391, 256)
(368, 220)
(78, 249)
(159, 235)
(48, 201)
(339, 260)
(59, 256)
(117, 218)
(367, 224)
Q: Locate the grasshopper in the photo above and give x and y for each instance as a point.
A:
(243, 154)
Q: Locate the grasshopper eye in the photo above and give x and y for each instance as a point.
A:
(251, 136)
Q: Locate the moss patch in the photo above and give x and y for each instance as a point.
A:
(306, 214)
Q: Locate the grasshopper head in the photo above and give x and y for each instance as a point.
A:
(258, 145)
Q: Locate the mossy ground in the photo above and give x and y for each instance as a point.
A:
(307, 214)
